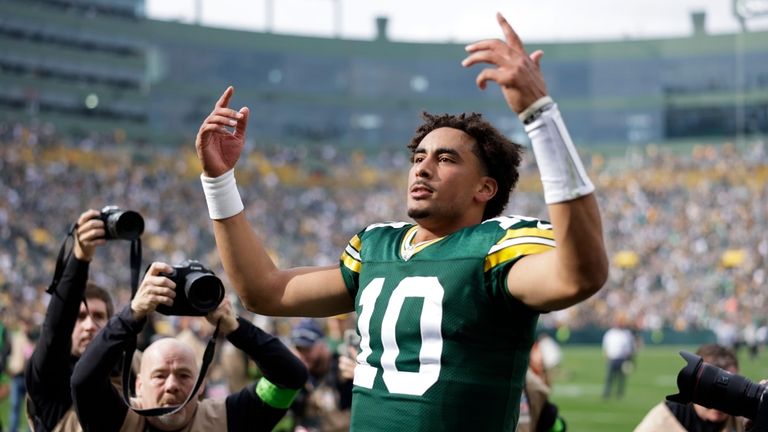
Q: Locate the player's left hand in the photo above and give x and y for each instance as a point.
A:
(517, 73)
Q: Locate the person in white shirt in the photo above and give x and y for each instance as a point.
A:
(619, 348)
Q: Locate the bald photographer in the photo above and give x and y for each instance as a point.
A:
(169, 368)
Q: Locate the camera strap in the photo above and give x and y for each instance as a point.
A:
(135, 264)
(210, 350)
(64, 256)
(61, 259)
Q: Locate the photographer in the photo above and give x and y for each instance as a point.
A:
(673, 416)
(167, 373)
(325, 402)
(70, 325)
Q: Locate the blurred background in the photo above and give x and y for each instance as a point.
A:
(100, 101)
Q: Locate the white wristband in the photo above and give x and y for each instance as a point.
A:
(221, 195)
(526, 114)
(562, 173)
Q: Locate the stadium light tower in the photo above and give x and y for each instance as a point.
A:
(746, 9)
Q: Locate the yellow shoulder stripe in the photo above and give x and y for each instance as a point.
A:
(512, 252)
(351, 255)
(350, 262)
(528, 232)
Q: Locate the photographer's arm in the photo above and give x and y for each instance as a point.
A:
(53, 350)
(98, 404)
(262, 287)
(261, 407)
(50, 366)
(50, 361)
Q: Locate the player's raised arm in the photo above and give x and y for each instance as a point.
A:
(262, 287)
(578, 266)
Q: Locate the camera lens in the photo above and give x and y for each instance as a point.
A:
(204, 291)
(128, 225)
(712, 387)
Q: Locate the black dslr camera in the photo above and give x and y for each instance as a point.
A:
(712, 387)
(198, 290)
(121, 224)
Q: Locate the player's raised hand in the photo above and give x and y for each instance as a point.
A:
(517, 73)
(217, 147)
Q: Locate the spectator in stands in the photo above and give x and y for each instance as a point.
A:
(672, 416)
(22, 345)
(76, 312)
(5, 350)
(167, 373)
(675, 227)
(483, 279)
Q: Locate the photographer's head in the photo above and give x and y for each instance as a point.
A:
(724, 358)
(166, 378)
(309, 340)
(92, 318)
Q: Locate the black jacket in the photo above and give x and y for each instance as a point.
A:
(49, 370)
(101, 408)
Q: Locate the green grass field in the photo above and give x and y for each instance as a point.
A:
(579, 383)
(578, 386)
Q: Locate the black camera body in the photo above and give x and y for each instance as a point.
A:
(198, 290)
(710, 386)
(121, 224)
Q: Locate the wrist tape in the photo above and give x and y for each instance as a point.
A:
(535, 109)
(221, 195)
(562, 173)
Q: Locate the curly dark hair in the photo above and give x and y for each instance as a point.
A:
(499, 156)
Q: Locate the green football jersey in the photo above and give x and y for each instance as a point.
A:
(444, 346)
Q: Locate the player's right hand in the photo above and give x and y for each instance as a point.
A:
(217, 147)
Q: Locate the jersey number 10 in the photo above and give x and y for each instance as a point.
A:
(430, 322)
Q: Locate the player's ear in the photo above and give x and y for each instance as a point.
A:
(486, 189)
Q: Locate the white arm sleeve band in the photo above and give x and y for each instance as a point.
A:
(221, 195)
(562, 173)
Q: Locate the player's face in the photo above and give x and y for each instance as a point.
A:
(88, 324)
(445, 176)
(167, 377)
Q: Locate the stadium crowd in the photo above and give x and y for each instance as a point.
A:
(684, 230)
(688, 244)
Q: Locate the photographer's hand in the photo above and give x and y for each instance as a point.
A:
(155, 289)
(89, 234)
(347, 364)
(227, 315)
